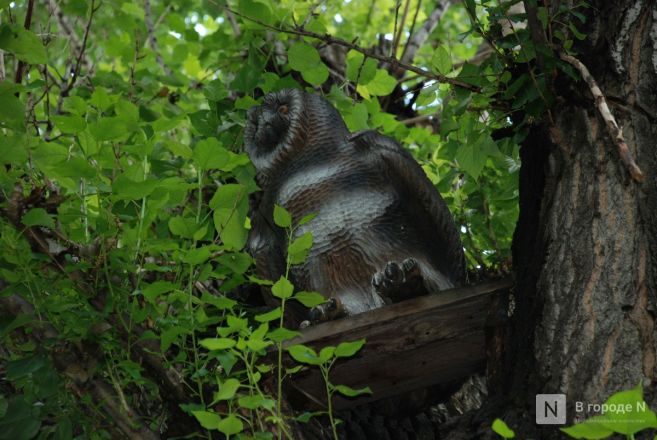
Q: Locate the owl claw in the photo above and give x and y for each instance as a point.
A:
(398, 281)
(327, 311)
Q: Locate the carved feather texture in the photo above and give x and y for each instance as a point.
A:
(374, 204)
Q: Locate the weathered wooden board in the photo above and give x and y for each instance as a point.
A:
(431, 340)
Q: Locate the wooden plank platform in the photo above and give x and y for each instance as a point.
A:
(426, 341)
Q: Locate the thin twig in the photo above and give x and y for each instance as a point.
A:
(612, 126)
(412, 29)
(28, 23)
(416, 119)
(78, 61)
(67, 85)
(400, 29)
(329, 39)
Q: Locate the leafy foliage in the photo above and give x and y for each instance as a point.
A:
(125, 191)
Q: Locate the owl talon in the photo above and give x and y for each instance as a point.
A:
(398, 281)
(327, 311)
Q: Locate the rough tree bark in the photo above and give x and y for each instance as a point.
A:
(585, 247)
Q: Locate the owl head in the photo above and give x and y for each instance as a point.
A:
(288, 123)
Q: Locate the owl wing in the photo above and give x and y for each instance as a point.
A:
(404, 171)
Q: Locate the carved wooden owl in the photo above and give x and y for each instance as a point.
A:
(382, 231)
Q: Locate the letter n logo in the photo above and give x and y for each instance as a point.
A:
(550, 409)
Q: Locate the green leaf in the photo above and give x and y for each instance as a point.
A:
(592, 428)
(217, 343)
(441, 60)
(23, 43)
(301, 243)
(226, 390)
(127, 112)
(133, 9)
(215, 90)
(269, 316)
(356, 70)
(238, 262)
(282, 218)
(471, 158)
(183, 226)
(348, 349)
(282, 288)
(307, 218)
(220, 302)
(298, 250)
(351, 392)
(230, 204)
(310, 299)
(20, 421)
(169, 336)
(101, 99)
(305, 355)
(12, 111)
(152, 291)
(502, 429)
(69, 124)
(231, 425)
(124, 188)
(256, 9)
(305, 59)
(305, 417)
(209, 154)
(26, 366)
(75, 105)
(381, 85)
(627, 413)
(326, 353)
(208, 420)
(282, 334)
(108, 129)
(197, 256)
(256, 401)
(38, 217)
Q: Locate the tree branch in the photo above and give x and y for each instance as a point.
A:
(152, 41)
(417, 39)
(394, 62)
(20, 69)
(612, 126)
(400, 29)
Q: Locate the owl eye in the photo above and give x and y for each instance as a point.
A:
(283, 109)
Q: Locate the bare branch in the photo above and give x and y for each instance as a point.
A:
(78, 61)
(394, 62)
(152, 41)
(417, 39)
(612, 126)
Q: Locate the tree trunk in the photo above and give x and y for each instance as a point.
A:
(585, 247)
